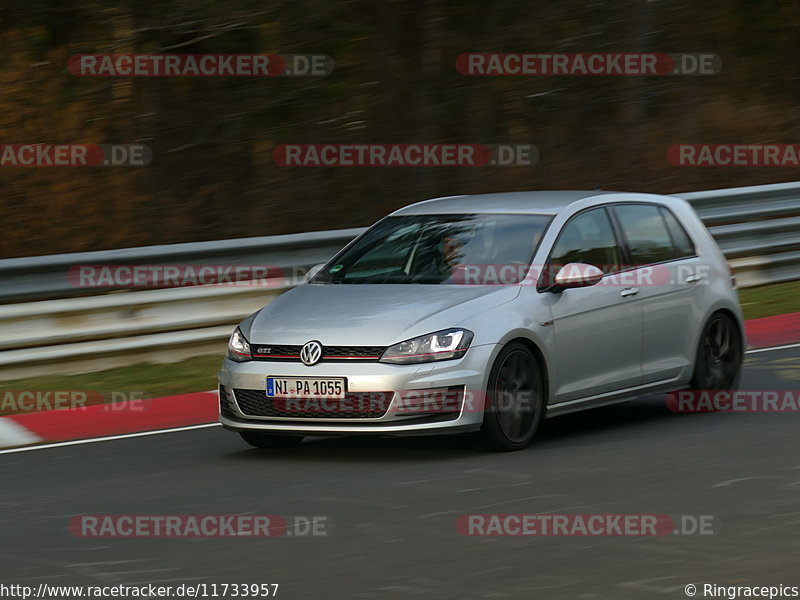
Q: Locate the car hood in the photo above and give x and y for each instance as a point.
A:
(368, 315)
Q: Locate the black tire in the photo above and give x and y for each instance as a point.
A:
(270, 440)
(514, 401)
(720, 354)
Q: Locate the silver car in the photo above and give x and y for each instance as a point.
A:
(482, 314)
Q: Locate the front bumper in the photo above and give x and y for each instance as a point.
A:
(468, 374)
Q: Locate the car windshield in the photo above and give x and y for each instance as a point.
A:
(440, 249)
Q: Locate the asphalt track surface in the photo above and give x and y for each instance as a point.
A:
(393, 504)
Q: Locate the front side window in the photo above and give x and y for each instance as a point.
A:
(437, 249)
(588, 238)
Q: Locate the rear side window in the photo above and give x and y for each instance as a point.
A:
(653, 234)
(589, 239)
(679, 237)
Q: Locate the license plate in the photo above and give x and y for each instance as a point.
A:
(306, 387)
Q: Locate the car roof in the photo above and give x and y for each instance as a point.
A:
(541, 203)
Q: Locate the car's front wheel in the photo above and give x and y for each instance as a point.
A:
(270, 440)
(719, 356)
(514, 400)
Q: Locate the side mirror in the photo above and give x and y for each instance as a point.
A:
(312, 271)
(576, 275)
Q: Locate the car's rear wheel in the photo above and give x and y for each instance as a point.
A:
(719, 356)
(270, 440)
(514, 400)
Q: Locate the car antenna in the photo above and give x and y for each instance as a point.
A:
(597, 187)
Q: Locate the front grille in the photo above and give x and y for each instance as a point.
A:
(291, 353)
(348, 352)
(362, 405)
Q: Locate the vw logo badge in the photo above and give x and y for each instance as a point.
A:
(311, 353)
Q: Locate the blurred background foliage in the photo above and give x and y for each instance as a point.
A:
(212, 174)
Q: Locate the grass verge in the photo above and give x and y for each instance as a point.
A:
(770, 300)
(152, 381)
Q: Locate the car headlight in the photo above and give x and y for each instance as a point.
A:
(238, 347)
(441, 345)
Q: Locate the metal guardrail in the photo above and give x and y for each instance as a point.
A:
(45, 277)
(58, 331)
(757, 228)
(115, 330)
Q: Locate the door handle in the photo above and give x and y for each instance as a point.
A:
(693, 278)
(629, 292)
